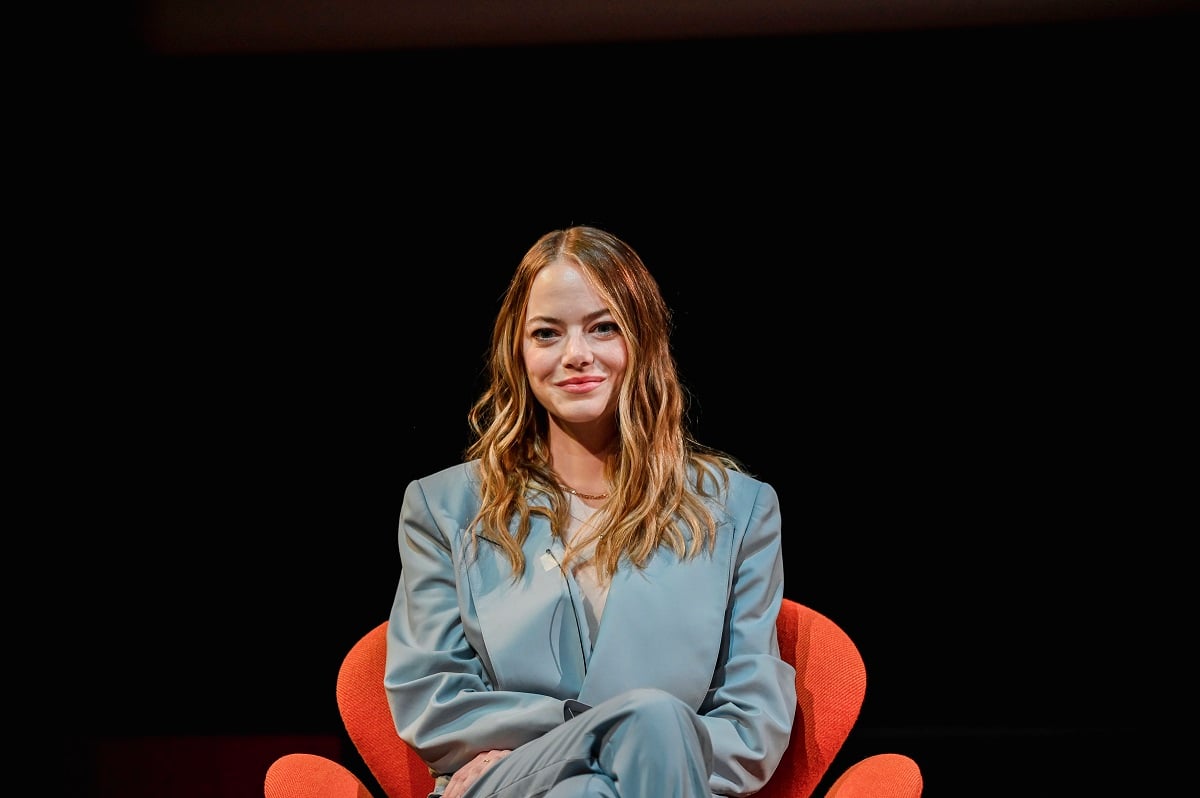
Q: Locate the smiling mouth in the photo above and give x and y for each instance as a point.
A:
(579, 386)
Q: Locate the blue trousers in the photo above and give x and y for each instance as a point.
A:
(645, 743)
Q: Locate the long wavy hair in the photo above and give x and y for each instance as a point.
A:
(660, 475)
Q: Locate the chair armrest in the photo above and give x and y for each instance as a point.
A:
(311, 776)
(879, 776)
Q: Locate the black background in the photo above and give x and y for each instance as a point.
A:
(922, 284)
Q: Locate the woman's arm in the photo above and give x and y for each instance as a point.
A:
(439, 690)
(750, 711)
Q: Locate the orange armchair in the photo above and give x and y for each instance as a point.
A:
(831, 682)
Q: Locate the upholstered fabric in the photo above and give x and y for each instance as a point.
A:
(879, 776)
(831, 681)
(311, 776)
(830, 685)
(368, 720)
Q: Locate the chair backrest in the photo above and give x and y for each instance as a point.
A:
(830, 685)
(831, 682)
(368, 720)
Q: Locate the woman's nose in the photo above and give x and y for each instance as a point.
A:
(576, 351)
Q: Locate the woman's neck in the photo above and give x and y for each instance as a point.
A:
(580, 465)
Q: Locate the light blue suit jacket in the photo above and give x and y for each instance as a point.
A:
(476, 661)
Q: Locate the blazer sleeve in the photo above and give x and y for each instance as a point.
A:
(751, 708)
(438, 687)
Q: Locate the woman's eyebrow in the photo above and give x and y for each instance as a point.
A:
(595, 314)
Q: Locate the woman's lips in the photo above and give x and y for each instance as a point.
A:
(580, 385)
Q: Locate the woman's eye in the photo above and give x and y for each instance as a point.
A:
(543, 334)
(606, 328)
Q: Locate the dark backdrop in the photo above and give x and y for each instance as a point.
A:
(912, 276)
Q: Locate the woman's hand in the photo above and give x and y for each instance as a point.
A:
(469, 773)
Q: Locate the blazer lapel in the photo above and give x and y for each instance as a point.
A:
(645, 641)
(530, 628)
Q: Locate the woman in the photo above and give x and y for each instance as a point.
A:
(587, 605)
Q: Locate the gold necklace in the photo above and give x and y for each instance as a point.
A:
(590, 496)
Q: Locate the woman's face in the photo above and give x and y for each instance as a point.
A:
(575, 355)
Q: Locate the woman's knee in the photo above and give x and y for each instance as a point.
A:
(657, 738)
(657, 708)
(588, 785)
